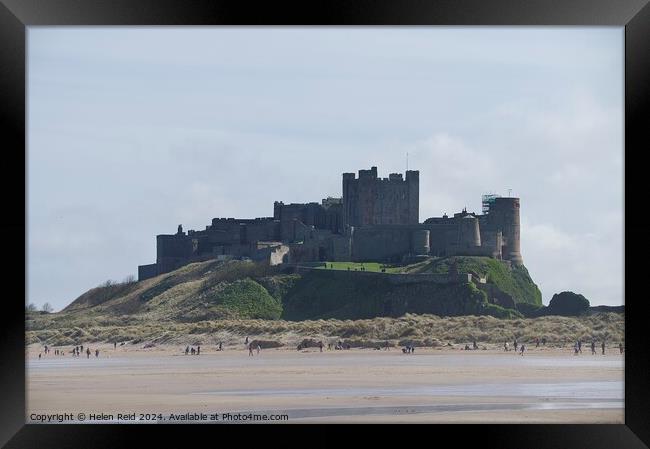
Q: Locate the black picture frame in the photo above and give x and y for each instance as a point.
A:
(16, 15)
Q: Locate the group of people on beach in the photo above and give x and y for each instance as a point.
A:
(577, 347)
(522, 347)
(77, 351)
(191, 350)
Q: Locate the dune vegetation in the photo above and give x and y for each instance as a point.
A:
(211, 302)
(420, 330)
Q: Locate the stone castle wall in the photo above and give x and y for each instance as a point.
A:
(376, 219)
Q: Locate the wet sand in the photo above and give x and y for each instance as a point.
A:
(360, 385)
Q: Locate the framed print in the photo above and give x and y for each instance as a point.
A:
(366, 213)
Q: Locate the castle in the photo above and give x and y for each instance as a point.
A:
(376, 219)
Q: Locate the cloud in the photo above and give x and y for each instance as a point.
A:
(590, 262)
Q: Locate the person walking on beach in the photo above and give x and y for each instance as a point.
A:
(250, 350)
(219, 346)
(603, 347)
(198, 350)
(505, 346)
(258, 348)
(580, 346)
(515, 344)
(82, 348)
(39, 356)
(593, 347)
(575, 348)
(246, 342)
(523, 348)
(114, 345)
(320, 346)
(87, 353)
(620, 347)
(544, 341)
(474, 345)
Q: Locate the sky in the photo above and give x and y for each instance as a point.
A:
(133, 131)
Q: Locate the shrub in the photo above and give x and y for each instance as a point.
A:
(568, 304)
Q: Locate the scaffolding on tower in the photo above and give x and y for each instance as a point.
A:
(487, 200)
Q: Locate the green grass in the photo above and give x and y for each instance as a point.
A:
(368, 266)
(515, 281)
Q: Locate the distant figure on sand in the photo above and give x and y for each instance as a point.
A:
(515, 344)
(87, 353)
(250, 349)
(198, 350)
(505, 347)
(258, 348)
(575, 348)
(246, 342)
(603, 347)
(39, 356)
(544, 341)
(220, 346)
(593, 347)
(193, 351)
(523, 348)
(537, 342)
(114, 345)
(474, 345)
(580, 346)
(620, 347)
(96, 352)
(187, 350)
(320, 346)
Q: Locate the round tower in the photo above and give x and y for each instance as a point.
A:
(468, 232)
(504, 214)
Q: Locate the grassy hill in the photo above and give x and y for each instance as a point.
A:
(515, 281)
(245, 290)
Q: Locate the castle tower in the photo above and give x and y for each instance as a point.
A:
(504, 215)
(369, 200)
(468, 232)
(413, 183)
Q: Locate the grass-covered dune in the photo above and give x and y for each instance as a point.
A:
(421, 330)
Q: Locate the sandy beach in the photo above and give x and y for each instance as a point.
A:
(445, 385)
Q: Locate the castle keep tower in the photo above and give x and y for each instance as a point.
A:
(369, 200)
